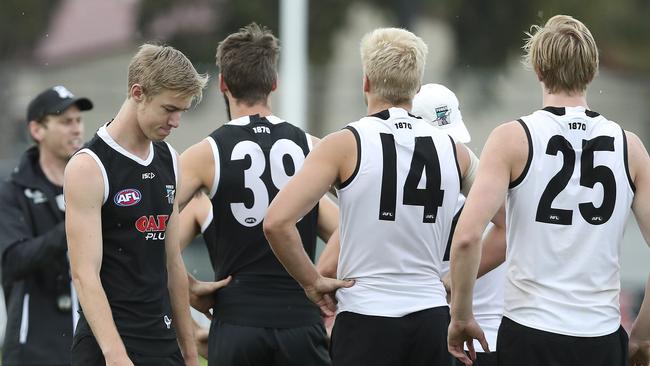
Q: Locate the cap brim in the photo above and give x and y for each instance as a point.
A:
(457, 131)
(83, 104)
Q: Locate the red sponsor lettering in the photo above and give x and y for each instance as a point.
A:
(151, 223)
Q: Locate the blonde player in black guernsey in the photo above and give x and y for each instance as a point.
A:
(261, 316)
(398, 179)
(122, 223)
(570, 176)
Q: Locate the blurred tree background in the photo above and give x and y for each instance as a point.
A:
(486, 34)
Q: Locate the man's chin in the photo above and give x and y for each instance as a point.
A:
(157, 138)
(154, 136)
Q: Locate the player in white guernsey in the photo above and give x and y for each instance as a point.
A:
(570, 176)
(439, 106)
(398, 180)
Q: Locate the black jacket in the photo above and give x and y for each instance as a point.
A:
(35, 270)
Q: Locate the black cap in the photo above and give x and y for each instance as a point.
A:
(55, 100)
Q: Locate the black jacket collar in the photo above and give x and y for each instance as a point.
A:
(28, 173)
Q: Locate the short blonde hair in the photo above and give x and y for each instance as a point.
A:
(563, 53)
(158, 68)
(393, 60)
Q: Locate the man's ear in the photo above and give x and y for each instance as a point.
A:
(366, 83)
(222, 84)
(137, 93)
(36, 130)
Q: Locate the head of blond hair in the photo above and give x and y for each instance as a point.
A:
(159, 68)
(563, 53)
(393, 60)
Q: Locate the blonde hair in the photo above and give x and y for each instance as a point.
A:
(393, 60)
(158, 68)
(563, 53)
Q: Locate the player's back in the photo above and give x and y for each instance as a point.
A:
(255, 157)
(396, 212)
(566, 216)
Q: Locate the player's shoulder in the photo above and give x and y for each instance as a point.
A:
(85, 173)
(637, 154)
(342, 142)
(511, 139)
(200, 150)
(515, 130)
(83, 161)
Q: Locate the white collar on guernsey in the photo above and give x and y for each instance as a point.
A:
(243, 121)
(103, 134)
(398, 112)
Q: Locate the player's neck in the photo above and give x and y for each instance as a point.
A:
(376, 105)
(52, 166)
(126, 131)
(564, 99)
(240, 109)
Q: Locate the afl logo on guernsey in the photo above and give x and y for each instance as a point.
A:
(127, 197)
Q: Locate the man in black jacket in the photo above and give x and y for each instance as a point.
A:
(41, 304)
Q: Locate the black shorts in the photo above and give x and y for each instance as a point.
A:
(231, 344)
(86, 352)
(416, 339)
(482, 359)
(521, 345)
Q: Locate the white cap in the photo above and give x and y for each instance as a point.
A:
(438, 105)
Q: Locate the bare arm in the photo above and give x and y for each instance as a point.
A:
(464, 162)
(192, 217)
(485, 198)
(201, 339)
(320, 170)
(639, 347)
(84, 190)
(197, 172)
(493, 251)
(328, 218)
(178, 289)
(329, 258)
(639, 162)
(470, 172)
(494, 241)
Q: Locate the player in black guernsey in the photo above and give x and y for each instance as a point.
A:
(262, 316)
(122, 226)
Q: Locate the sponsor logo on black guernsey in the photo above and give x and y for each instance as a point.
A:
(127, 197)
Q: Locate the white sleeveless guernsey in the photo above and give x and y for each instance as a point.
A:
(396, 212)
(566, 216)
